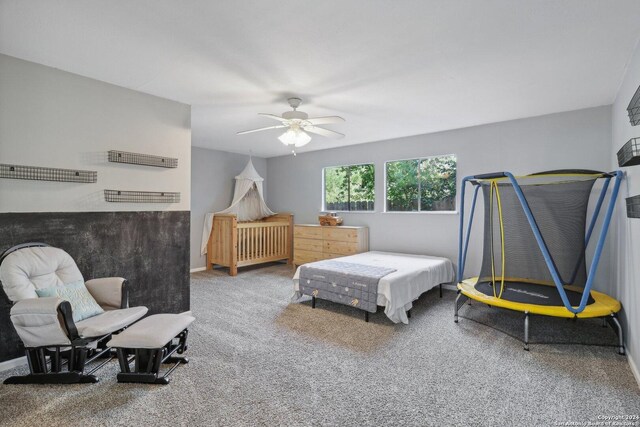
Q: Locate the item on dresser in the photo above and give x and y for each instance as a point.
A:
(313, 242)
(330, 219)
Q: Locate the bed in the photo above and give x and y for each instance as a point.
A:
(413, 275)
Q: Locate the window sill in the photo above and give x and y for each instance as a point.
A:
(422, 212)
(347, 212)
(398, 212)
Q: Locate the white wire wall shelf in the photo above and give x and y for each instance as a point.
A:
(141, 196)
(142, 159)
(39, 173)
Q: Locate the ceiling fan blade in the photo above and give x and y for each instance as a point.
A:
(324, 132)
(274, 117)
(325, 120)
(261, 129)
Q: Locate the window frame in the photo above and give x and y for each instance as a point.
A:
(419, 211)
(324, 201)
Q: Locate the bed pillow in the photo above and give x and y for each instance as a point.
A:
(83, 305)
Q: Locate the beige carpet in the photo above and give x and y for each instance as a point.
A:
(257, 359)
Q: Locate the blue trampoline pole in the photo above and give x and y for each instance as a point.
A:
(603, 235)
(468, 236)
(596, 211)
(463, 186)
(596, 214)
(463, 241)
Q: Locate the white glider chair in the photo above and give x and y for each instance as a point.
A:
(35, 277)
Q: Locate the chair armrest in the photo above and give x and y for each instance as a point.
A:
(111, 293)
(43, 321)
(36, 306)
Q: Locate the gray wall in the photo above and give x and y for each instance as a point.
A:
(212, 181)
(625, 231)
(578, 139)
(57, 119)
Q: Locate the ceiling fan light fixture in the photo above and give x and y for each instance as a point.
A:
(299, 126)
(295, 136)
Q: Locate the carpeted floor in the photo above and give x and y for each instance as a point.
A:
(257, 359)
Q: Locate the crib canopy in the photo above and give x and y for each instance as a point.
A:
(248, 202)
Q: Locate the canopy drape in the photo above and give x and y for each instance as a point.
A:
(248, 202)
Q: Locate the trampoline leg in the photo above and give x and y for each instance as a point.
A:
(313, 302)
(618, 327)
(366, 316)
(440, 290)
(526, 330)
(457, 304)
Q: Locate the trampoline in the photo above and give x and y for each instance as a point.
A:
(536, 232)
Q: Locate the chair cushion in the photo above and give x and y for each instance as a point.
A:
(109, 321)
(28, 269)
(83, 305)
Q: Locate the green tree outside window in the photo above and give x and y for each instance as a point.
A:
(349, 188)
(421, 185)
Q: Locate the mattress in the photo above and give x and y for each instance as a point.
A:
(414, 275)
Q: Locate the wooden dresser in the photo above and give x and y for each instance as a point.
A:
(312, 242)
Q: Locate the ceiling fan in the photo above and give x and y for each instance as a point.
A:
(299, 125)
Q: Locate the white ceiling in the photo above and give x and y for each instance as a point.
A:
(390, 68)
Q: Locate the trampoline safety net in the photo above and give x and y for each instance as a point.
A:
(560, 210)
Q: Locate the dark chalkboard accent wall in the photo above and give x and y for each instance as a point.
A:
(150, 249)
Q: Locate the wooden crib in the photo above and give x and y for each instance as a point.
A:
(236, 244)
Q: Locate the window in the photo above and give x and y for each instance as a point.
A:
(349, 188)
(421, 185)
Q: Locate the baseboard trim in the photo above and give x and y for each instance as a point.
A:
(195, 270)
(634, 368)
(13, 363)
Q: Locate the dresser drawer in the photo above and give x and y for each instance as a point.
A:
(307, 232)
(330, 256)
(312, 245)
(340, 234)
(338, 247)
(303, 257)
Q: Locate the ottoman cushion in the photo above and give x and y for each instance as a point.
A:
(152, 332)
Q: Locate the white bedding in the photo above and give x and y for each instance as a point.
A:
(414, 275)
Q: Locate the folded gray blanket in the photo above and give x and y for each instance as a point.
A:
(343, 282)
